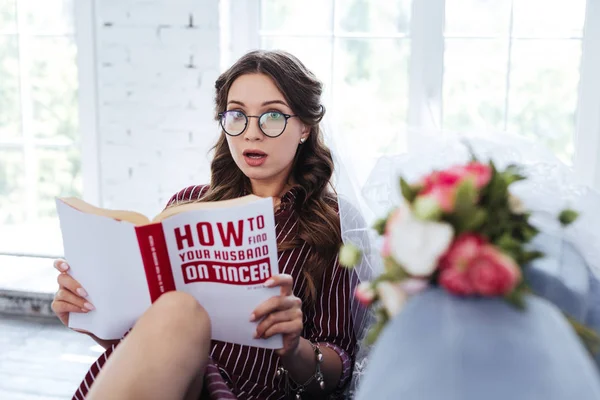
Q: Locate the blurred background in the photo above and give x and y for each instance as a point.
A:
(112, 100)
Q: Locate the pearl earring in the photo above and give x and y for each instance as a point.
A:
(302, 140)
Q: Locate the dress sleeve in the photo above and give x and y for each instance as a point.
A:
(332, 325)
(190, 193)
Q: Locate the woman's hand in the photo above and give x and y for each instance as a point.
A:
(282, 314)
(70, 297)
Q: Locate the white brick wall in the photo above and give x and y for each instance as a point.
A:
(155, 78)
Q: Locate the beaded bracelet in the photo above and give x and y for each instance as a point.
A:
(298, 389)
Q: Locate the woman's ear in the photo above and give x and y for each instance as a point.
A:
(305, 133)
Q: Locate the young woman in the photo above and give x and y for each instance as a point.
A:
(269, 108)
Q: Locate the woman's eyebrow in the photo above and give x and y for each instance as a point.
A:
(266, 103)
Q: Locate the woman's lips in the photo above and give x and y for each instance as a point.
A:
(255, 158)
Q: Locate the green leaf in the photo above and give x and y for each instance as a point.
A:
(529, 256)
(588, 336)
(472, 156)
(466, 194)
(568, 216)
(516, 299)
(509, 245)
(374, 332)
(528, 232)
(513, 173)
(477, 219)
(408, 192)
(379, 225)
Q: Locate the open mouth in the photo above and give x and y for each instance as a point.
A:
(254, 154)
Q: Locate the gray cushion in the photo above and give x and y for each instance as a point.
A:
(444, 347)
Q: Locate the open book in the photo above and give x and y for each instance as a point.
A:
(221, 253)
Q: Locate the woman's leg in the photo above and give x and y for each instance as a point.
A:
(163, 357)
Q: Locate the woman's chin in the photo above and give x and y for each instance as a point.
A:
(256, 174)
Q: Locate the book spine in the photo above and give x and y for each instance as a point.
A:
(153, 248)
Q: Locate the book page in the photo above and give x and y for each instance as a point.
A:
(105, 259)
(222, 257)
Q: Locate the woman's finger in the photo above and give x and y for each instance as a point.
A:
(276, 303)
(285, 281)
(284, 328)
(277, 317)
(66, 281)
(68, 297)
(61, 265)
(63, 307)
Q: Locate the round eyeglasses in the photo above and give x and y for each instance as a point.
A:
(271, 123)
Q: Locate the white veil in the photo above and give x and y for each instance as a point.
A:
(356, 220)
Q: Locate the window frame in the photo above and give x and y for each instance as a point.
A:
(426, 77)
(85, 39)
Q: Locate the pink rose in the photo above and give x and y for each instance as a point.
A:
(444, 196)
(493, 273)
(365, 294)
(455, 263)
(482, 173)
(447, 178)
(442, 185)
(386, 248)
(464, 249)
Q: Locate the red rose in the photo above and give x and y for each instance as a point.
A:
(456, 281)
(455, 264)
(492, 273)
(464, 249)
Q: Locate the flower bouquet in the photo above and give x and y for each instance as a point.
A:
(461, 229)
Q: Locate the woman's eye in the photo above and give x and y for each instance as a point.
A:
(274, 115)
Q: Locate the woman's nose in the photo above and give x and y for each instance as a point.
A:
(253, 131)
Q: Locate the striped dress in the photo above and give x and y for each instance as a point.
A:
(243, 372)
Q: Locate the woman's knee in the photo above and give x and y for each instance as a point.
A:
(180, 313)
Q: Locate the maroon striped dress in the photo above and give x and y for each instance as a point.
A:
(242, 372)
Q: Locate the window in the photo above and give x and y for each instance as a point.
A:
(40, 155)
(360, 50)
(514, 66)
(484, 66)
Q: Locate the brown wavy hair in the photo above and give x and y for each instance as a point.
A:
(319, 224)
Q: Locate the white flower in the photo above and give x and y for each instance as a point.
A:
(349, 255)
(515, 205)
(392, 297)
(417, 245)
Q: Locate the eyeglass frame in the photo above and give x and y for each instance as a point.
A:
(286, 116)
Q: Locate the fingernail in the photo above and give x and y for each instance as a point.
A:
(255, 335)
(81, 291)
(63, 267)
(269, 282)
(89, 306)
(252, 317)
(85, 310)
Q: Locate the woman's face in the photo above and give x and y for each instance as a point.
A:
(260, 157)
